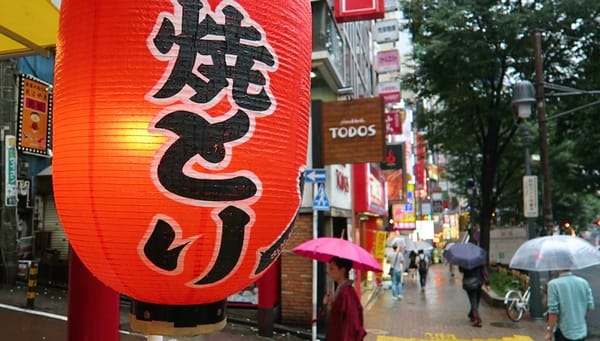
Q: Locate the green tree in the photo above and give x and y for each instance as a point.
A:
(466, 55)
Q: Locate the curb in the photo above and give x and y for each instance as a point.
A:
(492, 299)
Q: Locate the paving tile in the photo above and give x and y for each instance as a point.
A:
(440, 313)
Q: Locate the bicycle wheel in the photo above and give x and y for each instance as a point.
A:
(514, 310)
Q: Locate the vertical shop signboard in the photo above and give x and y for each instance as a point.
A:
(380, 238)
(35, 116)
(10, 171)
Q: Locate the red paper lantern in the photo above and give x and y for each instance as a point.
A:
(180, 140)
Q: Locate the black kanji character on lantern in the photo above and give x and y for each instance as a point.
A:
(198, 137)
(197, 38)
(162, 253)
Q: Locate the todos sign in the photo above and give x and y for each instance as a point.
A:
(353, 131)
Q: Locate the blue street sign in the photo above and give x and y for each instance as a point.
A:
(318, 176)
(321, 202)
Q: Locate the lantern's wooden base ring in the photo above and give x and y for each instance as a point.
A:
(177, 320)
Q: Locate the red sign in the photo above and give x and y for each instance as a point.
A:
(390, 91)
(370, 193)
(420, 170)
(358, 10)
(393, 121)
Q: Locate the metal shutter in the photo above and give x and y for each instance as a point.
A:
(58, 239)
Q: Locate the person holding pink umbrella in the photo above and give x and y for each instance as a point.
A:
(346, 313)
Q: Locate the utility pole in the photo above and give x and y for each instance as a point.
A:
(548, 219)
(534, 277)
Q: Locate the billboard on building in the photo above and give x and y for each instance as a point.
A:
(394, 181)
(358, 10)
(35, 115)
(404, 213)
(353, 131)
(388, 61)
(386, 31)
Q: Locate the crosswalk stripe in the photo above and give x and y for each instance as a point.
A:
(451, 337)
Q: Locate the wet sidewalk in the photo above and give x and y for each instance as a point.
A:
(437, 314)
(47, 320)
(440, 313)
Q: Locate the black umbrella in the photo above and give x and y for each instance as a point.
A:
(466, 255)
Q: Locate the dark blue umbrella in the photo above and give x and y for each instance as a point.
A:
(465, 255)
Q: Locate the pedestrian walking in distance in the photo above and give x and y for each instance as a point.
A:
(396, 259)
(412, 267)
(473, 279)
(346, 315)
(423, 267)
(569, 300)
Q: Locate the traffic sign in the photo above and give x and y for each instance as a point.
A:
(530, 196)
(318, 176)
(321, 202)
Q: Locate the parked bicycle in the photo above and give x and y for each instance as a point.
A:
(517, 303)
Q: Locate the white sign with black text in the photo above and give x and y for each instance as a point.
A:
(530, 196)
(386, 31)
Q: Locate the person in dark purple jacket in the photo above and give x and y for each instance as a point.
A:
(473, 279)
(346, 314)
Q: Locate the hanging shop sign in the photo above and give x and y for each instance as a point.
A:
(353, 131)
(35, 115)
(393, 157)
(389, 91)
(358, 10)
(393, 121)
(388, 61)
(433, 172)
(370, 192)
(169, 110)
(386, 31)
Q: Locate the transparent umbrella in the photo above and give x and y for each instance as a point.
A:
(422, 245)
(553, 253)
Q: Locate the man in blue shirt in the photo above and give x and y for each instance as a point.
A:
(569, 299)
(396, 260)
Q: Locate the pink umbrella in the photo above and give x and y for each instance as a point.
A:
(324, 248)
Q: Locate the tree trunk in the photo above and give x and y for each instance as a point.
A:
(489, 168)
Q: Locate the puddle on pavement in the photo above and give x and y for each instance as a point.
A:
(505, 324)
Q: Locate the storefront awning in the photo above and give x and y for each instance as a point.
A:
(28, 27)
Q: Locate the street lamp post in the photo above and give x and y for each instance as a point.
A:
(523, 98)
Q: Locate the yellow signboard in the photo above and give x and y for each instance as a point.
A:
(380, 238)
